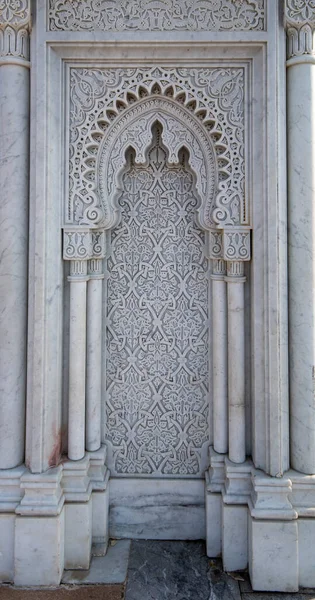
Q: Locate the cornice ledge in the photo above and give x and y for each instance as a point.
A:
(299, 22)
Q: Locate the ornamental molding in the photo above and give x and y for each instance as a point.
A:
(152, 15)
(300, 26)
(15, 22)
(201, 109)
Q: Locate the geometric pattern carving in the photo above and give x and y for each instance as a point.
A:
(213, 97)
(149, 15)
(157, 398)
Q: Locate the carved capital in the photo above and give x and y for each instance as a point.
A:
(216, 244)
(77, 244)
(300, 26)
(236, 245)
(15, 23)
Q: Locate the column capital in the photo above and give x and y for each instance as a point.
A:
(15, 24)
(299, 21)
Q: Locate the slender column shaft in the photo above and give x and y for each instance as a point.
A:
(94, 356)
(77, 360)
(220, 374)
(14, 174)
(236, 361)
(301, 216)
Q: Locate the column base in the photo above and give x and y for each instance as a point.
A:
(77, 489)
(10, 497)
(78, 535)
(39, 550)
(99, 475)
(39, 530)
(234, 537)
(273, 555)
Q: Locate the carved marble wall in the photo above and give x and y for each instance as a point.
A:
(158, 316)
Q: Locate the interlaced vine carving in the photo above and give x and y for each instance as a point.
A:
(300, 23)
(14, 29)
(152, 15)
(157, 324)
(210, 100)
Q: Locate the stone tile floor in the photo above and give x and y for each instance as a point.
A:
(157, 570)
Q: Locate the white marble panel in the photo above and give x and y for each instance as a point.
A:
(157, 509)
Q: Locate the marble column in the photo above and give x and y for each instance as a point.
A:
(14, 178)
(236, 361)
(220, 374)
(94, 355)
(300, 25)
(77, 359)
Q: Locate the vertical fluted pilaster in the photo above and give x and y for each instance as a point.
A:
(300, 26)
(14, 201)
(220, 370)
(236, 361)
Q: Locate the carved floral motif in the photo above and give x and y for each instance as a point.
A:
(211, 99)
(157, 324)
(14, 29)
(300, 11)
(300, 24)
(14, 12)
(156, 15)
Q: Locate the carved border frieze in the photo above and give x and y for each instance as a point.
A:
(149, 15)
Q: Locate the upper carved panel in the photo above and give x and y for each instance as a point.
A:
(300, 24)
(15, 13)
(15, 18)
(299, 12)
(201, 109)
(153, 15)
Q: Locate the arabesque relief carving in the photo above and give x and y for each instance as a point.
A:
(149, 15)
(207, 99)
(300, 25)
(15, 18)
(157, 398)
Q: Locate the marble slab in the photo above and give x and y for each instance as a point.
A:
(157, 509)
(162, 570)
(111, 568)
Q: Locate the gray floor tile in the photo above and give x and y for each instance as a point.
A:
(162, 570)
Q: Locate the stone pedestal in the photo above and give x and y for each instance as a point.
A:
(99, 475)
(40, 531)
(10, 497)
(77, 489)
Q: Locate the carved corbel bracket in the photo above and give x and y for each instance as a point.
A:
(299, 21)
(15, 25)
